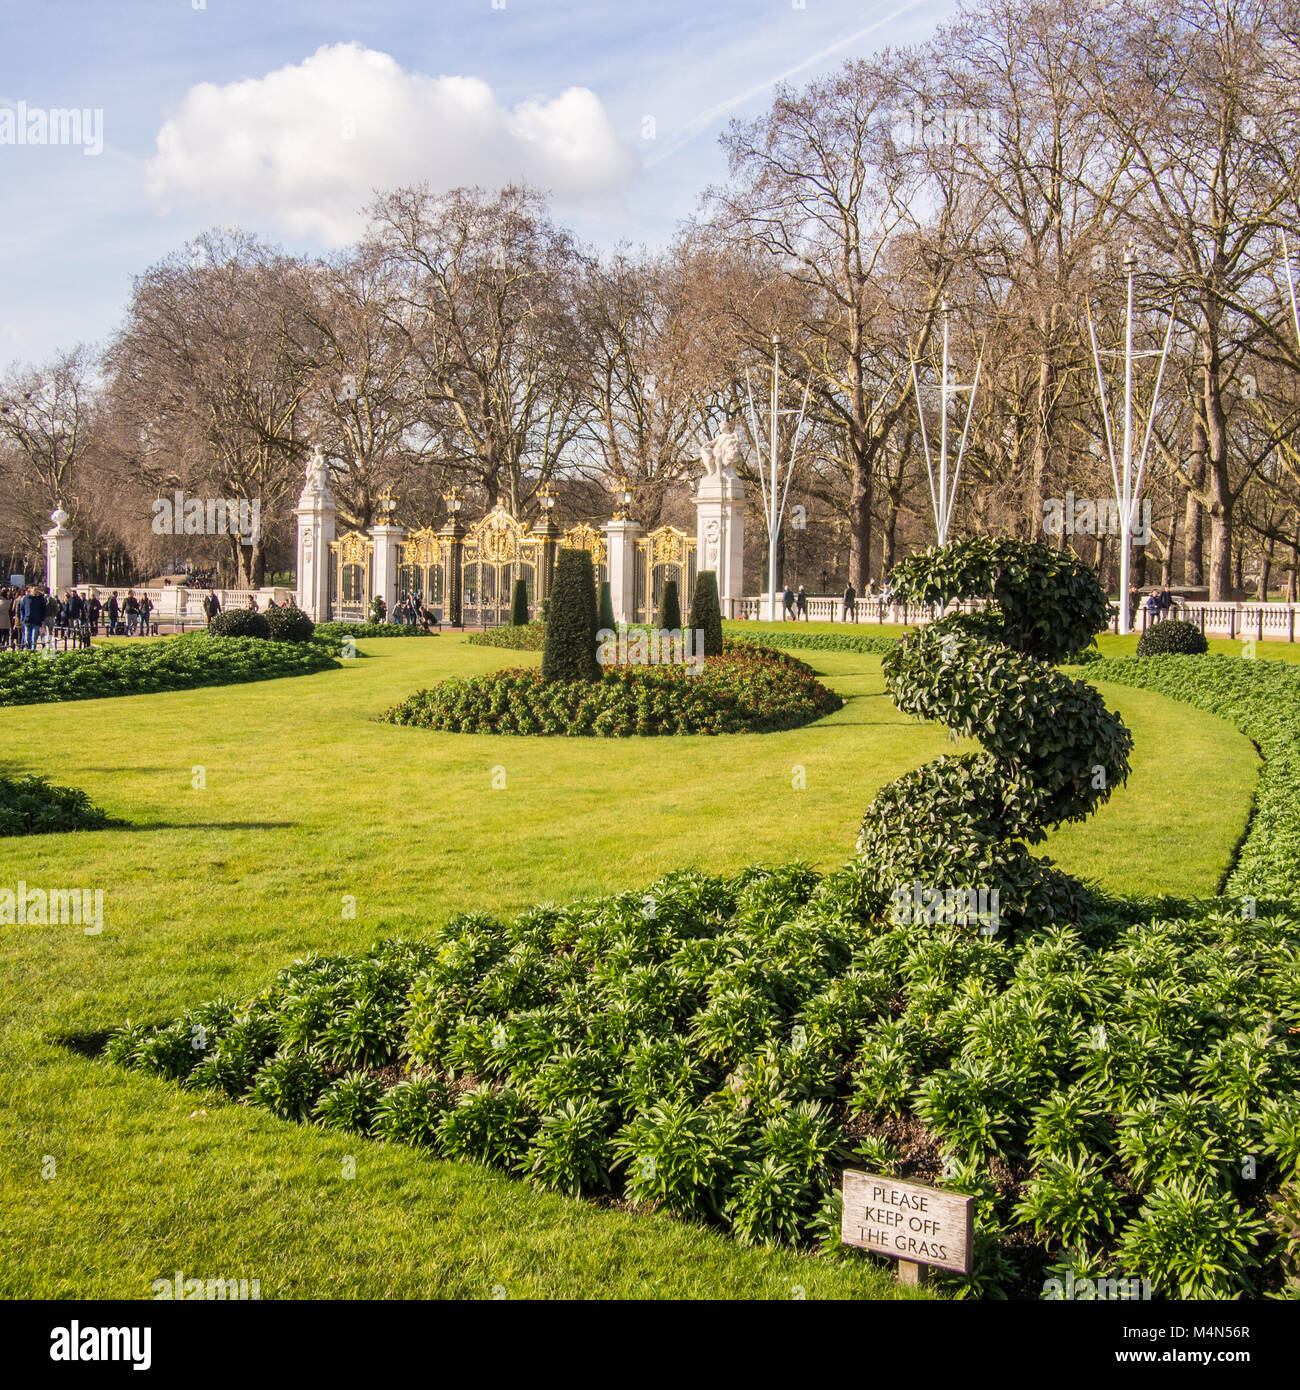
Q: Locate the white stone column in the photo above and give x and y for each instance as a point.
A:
(315, 513)
(720, 535)
(386, 537)
(620, 559)
(58, 553)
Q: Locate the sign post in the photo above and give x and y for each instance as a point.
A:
(917, 1225)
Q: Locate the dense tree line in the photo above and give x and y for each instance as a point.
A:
(997, 175)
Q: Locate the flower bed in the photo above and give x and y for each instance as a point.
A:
(176, 663)
(750, 691)
(724, 1047)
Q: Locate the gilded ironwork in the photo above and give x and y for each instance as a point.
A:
(666, 553)
(421, 549)
(497, 551)
(353, 548)
(585, 537)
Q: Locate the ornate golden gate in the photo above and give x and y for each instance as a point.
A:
(497, 551)
(352, 565)
(584, 536)
(422, 568)
(666, 553)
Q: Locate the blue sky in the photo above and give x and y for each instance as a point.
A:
(287, 139)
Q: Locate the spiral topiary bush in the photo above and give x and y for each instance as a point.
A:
(1052, 751)
(1173, 637)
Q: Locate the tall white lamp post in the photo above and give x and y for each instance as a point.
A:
(774, 493)
(942, 494)
(1128, 487)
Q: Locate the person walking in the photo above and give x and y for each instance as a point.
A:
(146, 608)
(130, 612)
(850, 610)
(112, 611)
(32, 612)
(801, 603)
(6, 618)
(211, 607)
(93, 608)
(787, 602)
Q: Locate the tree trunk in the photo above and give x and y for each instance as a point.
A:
(890, 541)
(1265, 570)
(860, 525)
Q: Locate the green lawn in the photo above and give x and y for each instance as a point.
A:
(307, 805)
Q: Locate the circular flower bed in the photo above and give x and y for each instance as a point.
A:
(754, 690)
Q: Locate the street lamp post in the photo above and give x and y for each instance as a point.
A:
(774, 495)
(942, 496)
(1127, 485)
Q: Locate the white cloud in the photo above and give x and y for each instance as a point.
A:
(305, 147)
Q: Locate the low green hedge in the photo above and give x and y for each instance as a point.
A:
(528, 637)
(174, 663)
(335, 632)
(748, 691)
(870, 644)
(32, 806)
(1262, 699)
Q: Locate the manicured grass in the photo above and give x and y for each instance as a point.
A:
(307, 804)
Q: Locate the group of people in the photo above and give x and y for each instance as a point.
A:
(409, 611)
(1159, 603)
(30, 618)
(796, 604)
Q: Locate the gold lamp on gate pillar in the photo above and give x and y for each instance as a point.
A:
(624, 494)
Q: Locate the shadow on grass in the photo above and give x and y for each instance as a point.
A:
(210, 825)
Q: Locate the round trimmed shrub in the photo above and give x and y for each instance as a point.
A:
(706, 612)
(1173, 637)
(570, 650)
(669, 617)
(289, 625)
(240, 622)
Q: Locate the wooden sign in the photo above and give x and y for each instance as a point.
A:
(908, 1221)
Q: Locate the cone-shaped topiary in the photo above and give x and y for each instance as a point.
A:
(519, 604)
(670, 609)
(706, 612)
(606, 607)
(570, 651)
